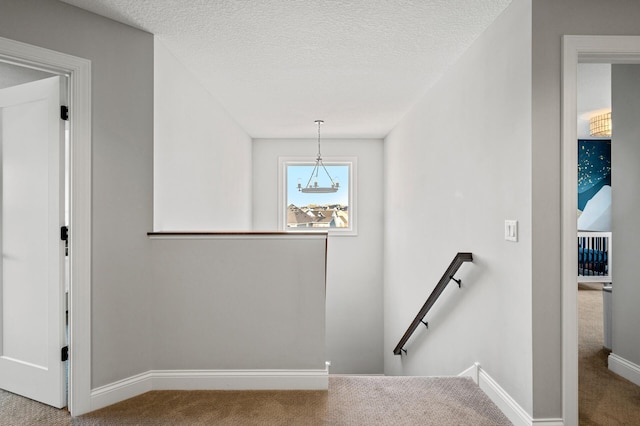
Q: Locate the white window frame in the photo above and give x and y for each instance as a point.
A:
(352, 162)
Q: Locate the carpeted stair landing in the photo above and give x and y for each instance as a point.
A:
(351, 400)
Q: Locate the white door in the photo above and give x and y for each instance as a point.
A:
(32, 310)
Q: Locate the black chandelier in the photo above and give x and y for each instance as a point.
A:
(312, 184)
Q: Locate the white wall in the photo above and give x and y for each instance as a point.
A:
(354, 266)
(122, 149)
(456, 167)
(12, 75)
(551, 20)
(625, 158)
(202, 158)
(213, 312)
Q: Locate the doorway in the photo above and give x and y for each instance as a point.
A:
(578, 49)
(34, 201)
(78, 71)
(597, 388)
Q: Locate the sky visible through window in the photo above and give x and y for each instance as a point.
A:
(300, 199)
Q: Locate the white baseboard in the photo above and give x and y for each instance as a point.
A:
(208, 380)
(548, 422)
(240, 379)
(120, 390)
(505, 402)
(624, 368)
(472, 372)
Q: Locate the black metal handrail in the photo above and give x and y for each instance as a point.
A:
(448, 276)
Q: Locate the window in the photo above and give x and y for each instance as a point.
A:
(318, 208)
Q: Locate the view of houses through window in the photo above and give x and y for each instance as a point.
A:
(315, 209)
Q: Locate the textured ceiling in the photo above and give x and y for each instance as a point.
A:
(277, 65)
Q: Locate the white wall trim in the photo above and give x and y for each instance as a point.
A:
(121, 390)
(241, 379)
(548, 422)
(514, 412)
(208, 380)
(624, 368)
(503, 400)
(600, 49)
(79, 72)
(473, 372)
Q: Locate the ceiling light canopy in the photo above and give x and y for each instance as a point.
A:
(312, 186)
(600, 125)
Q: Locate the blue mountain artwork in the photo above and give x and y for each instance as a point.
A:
(594, 168)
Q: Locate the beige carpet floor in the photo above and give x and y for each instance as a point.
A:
(604, 397)
(18, 411)
(351, 400)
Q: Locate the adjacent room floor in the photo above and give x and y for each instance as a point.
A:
(604, 397)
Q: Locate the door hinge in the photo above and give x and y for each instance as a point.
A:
(64, 112)
(64, 236)
(64, 354)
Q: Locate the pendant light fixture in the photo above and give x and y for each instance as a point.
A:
(312, 184)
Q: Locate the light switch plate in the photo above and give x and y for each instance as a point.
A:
(511, 230)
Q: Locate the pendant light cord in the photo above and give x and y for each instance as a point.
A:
(319, 124)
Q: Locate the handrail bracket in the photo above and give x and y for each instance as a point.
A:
(456, 280)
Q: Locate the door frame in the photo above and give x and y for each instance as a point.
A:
(578, 49)
(78, 70)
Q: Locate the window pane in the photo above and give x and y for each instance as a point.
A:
(313, 209)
